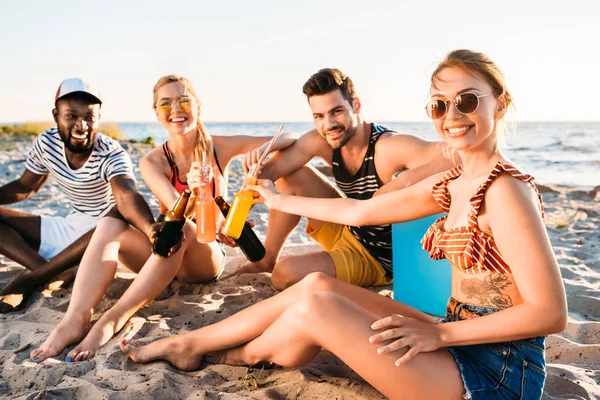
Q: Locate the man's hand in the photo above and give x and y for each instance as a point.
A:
(17, 291)
(23, 284)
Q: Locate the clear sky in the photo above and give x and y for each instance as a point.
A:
(249, 59)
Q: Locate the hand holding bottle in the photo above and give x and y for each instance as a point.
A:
(266, 190)
(156, 232)
(171, 228)
(198, 176)
(226, 240)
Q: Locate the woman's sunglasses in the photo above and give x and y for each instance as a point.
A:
(465, 103)
(183, 103)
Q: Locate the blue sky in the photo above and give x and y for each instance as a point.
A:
(249, 59)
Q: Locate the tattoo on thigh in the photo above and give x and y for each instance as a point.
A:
(489, 290)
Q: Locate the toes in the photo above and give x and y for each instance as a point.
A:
(34, 355)
(84, 355)
(43, 353)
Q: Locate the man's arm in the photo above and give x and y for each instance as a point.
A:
(23, 188)
(131, 204)
(414, 157)
(303, 150)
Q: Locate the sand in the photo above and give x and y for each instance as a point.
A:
(573, 218)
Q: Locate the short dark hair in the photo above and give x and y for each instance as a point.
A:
(79, 96)
(328, 80)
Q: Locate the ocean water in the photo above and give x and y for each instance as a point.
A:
(556, 153)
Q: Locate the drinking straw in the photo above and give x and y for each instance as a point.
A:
(254, 171)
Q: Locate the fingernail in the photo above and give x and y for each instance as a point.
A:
(124, 342)
(371, 339)
(69, 359)
(379, 351)
(35, 359)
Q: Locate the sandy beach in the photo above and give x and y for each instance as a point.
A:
(573, 356)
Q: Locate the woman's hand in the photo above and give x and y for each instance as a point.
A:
(226, 239)
(416, 335)
(251, 158)
(156, 233)
(266, 190)
(198, 176)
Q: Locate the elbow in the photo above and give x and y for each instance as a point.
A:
(560, 321)
(557, 322)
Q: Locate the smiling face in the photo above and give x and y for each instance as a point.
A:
(183, 116)
(335, 118)
(465, 132)
(77, 121)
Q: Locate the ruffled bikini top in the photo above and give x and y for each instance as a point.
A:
(467, 247)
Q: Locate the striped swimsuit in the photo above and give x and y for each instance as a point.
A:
(467, 247)
(362, 185)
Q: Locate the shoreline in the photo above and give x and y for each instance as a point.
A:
(573, 356)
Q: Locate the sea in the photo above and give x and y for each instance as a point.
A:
(555, 153)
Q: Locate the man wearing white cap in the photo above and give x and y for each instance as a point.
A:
(92, 170)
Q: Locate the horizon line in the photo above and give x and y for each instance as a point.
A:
(295, 122)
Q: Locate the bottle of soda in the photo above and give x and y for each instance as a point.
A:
(242, 203)
(248, 242)
(171, 228)
(205, 208)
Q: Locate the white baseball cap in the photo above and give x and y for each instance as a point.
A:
(76, 85)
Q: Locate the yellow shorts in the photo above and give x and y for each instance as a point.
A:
(353, 263)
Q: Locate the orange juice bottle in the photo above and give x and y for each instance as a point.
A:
(240, 208)
(206, 231)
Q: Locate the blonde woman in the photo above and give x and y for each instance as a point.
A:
(167, 170)
(507, 292)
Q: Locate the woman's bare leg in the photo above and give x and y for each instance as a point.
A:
(96, 272)
(330, 321)
(188, 264)
(186, 351)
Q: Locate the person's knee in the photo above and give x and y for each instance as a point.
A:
(317, 282)
(290, 184)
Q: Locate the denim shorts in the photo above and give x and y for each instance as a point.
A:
(508, 370)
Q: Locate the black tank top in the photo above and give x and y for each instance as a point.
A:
(376, 239)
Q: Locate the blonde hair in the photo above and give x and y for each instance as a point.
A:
(203, 142)
(480, 65)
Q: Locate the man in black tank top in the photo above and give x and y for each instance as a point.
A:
(364, 157)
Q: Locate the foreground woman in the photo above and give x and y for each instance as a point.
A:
(507, 292)
(167, 170)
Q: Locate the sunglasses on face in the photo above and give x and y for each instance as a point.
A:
(183, 103)
(465, 103)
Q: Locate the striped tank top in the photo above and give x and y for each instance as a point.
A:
(467, 247)
(376, 239)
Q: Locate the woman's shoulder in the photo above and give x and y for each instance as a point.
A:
(511, 189)
(155, 158)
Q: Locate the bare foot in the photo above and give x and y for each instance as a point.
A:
(172, 349)
(67, 332)
(264, 265)
(98, 336)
